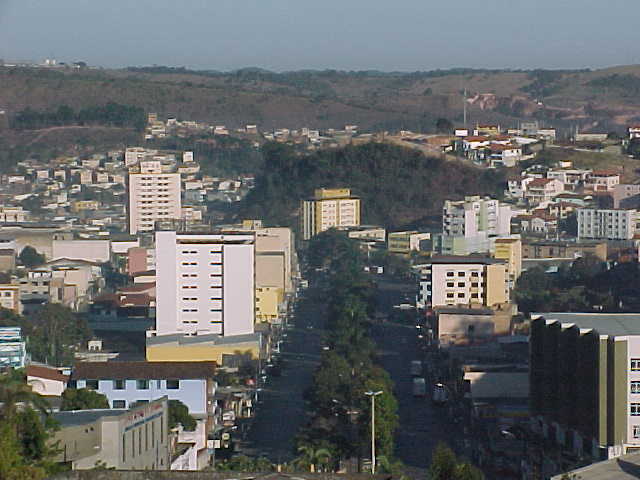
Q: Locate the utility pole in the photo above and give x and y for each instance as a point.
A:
(373, 396)
(464, 109)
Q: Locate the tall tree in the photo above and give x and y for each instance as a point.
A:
(83, 399)
(30, 257)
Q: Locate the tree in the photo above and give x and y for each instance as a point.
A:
(312, 457)
(12, 463)
(179, 414)
(443, 125)
(13, 391)
(83, 399)
(445, 466)
(54, 332)
(30, 257)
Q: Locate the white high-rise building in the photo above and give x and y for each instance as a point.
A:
(468, 225)
(153, 196)
(205, 283)
(604, 224)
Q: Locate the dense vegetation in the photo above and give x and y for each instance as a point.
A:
(398, 186)
(111, 114)
(53, 333)
(339, 428)
(627, 84)
(219, 156)
(588, 285)
(25, 428)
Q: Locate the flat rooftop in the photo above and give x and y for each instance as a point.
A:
(82, 417)
(621, 468)
(616, 324)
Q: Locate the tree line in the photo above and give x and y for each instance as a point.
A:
(111, 114)
(341, 412)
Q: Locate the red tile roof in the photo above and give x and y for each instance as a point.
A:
(46, 372)
(540, 182)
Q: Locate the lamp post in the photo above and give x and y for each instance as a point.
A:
(373, 396)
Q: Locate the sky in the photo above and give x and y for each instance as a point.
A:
(280, 35)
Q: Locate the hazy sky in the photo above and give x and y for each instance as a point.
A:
(341, 34)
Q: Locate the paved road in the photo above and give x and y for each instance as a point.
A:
(422, 425)
(281, 409)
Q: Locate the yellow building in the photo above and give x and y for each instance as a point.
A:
(329, 208)
(510, 249)
(201, 348)
(268, 300)
(82, 205)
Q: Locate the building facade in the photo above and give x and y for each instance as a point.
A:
(468, 281)
(205, 283)
(153, 195)
(510, 250)
(585, 381)
(606, 224)
(134, 439)
(13, 348)
(329, 208)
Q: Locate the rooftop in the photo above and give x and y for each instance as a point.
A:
(620, 468)
(143, 370)
(82, 417)
(451, 259)
(615, 324)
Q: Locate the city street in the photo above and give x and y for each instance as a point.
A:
(281, 409)
(422, 425)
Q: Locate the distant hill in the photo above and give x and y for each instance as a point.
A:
(398, 186)
(597, 100)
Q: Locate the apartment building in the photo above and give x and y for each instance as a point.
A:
(559, 249)
(571, 178)
(470, 281)
(153, 195)
(13, 347)
(205, 283)
(542, 190)
(602, 181)
(468, 225)
(585, 381)
(626, 196)
(329, 208)
(606, 224)
(134, 439)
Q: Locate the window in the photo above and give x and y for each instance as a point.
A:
(474, 285)
(460, 284)
(461, 295)
(461, 274)
(92, 384)
(636, 431)
(635, 364)
(635, 409)
(475, 274)
(474, 295)
(119, 404)
(449, 274)
(449, 295)
(173, 384)
(142, 384)
(635, 387)
(450, 284)
(118, 385)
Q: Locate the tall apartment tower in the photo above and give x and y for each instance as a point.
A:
(205, 283)
(153, 196)
(607, 224)
(329, 208)
(467, 225)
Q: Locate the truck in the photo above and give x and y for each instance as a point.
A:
(440, 394)
(419, 387)
(416, 368)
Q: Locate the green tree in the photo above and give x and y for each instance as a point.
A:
(83, 399)
(315, 459)
(54, 333)
(30, 257)
(445, 466)
(179, 414)
(443, 125)
(12, 463)
(14, 391)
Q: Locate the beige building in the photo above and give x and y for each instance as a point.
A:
(268, 301)
(10, 298)
(134, 439)
(12, 214)
(510, 250)
(153, 195)
(468, 281)
(329, 208)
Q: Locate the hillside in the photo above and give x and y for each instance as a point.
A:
(602, 99)
(398, 186)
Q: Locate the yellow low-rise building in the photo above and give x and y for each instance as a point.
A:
(201, 348)
(268, 301)
(82, 205)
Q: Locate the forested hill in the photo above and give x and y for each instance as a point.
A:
(398, 186)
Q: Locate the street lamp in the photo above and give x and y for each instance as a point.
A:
(373, 396)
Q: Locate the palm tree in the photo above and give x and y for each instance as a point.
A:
(14, 391)
(313, 457)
